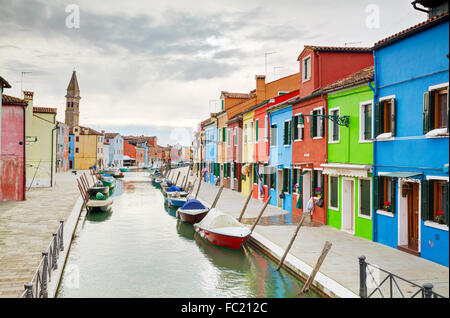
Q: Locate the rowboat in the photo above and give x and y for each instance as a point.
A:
(94, 190)
(124, 170)
(118, 175)
(176, 201)
(222, 229)
(193, 211)
(99, 205)
(109, 182)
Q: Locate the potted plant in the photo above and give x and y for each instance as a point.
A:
(440, 218)
(387, 206)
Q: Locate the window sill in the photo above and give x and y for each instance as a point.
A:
(436, 225)
(365, 141)
(333, 208)
(385, 136)
(385, 213)
(314, 138)
(436, 133)
(367, 217)
(334, 141)
(297, 140)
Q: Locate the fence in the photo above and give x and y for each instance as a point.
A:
(391, 284)
(37, 288)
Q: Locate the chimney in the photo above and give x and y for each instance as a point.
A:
(27, 95)
(103, 132)
(260, 88)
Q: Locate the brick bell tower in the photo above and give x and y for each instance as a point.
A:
(73, 102)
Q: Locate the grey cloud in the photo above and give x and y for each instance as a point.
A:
(194, 69)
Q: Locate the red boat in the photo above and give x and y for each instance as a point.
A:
(222, 229)
(192, 211)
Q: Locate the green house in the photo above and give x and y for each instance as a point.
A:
(349, 166)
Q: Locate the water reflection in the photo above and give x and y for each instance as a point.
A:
(282, 219)
(185, 230)
(99, 216)
(170, 210)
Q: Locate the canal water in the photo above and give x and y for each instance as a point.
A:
(141, 249)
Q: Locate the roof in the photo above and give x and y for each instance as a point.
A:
(82, 131)
(4, 83)
(362, 76)
(111, 135)
(412, 30)
(353, 49)
(44, 110)
(73, 87)
(237, 95)
(10, 100)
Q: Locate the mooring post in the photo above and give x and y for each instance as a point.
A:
(55, 251)
(260, 214)
(311, 277)
(61, 236)
(427, 290)
(198, 189)
(187, 177)
(291, 242)
(178, 175)
(28, 290)
(217, 198)
(44, 292)
(182, 182)
(245, 205)
(362, 277)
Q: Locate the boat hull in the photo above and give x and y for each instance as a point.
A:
(233, 242)
(175, 202)
(191, 218)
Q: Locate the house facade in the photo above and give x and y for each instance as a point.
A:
(88, 145)
(62, 147)
(411, 147)
(212, 169)
(116, 151)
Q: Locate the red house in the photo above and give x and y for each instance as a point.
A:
(129, 150)
(12, 155)
(319, 66)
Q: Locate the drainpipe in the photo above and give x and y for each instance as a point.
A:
(51, 160)
(374, 170)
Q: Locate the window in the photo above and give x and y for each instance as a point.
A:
(364, 198)
(245, 134)
(224, 134)
(282, 93)
(297, 127)
(365, 122)
(235, 172)
(385, 117)
(316, 124)
(218, 133)
(317, 183)
(272, 180)
(256, 130)
(77, 138)
(435, 204)
(435, 110)
(334, 127)
(306, 68)
(229, 137)
(235, 136)
(255, 176)
(385, 194)
(70, 138)
(251, 133)
(223, 104)
(273, 135)
(287, 134)
(295, 175)
(77, 150)
(334, 192)
(286, 180)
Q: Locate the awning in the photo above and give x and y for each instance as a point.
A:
(401, 174)
(351, 170)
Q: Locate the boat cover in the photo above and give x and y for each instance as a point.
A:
(173, 189)
(193, 205)
(217, 219)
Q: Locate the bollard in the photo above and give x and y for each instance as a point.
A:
(55, 251)
(29, 290)
(362, 277)
(44, 292)
(61, 236)
(427, 290)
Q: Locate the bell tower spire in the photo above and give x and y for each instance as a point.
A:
(73, 102)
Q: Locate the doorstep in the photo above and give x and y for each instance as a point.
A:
(407, 249)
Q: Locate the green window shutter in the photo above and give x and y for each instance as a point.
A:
(378, 118)
(255, 176)
(289, 139)
(426, 112)
(394, 194)
(294, 127)
(257, 130)
(334, 191)
(425, 213)
(265, 175)
(285, 133)
(224, 134)
(394, 117)
(312, 125)
(365, 197)
(377, 192)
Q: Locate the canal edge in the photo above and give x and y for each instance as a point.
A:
(322, 284)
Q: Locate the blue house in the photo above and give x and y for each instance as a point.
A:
(71, 151)
(411, 146)
(211, 151)
(115, 149)
(280, 156)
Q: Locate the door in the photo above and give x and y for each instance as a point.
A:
(221, 174)
(306, 189)
(279, 187)
(232, 175)
(348, 205)
(413, 217)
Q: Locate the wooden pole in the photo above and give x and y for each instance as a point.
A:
(291, 242)
(325, 251)
(83, 183)
(187, 177)
(178, 175)
(260, 214)
(217, 197)
(198, 189)
(245, 205)
(182, 182)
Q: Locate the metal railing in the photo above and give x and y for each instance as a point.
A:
(37, 288)
(391, 282)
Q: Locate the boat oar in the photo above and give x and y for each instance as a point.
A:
(260, 214)
(291, 242)
(217, 197)
(245, 205)
(326, 249)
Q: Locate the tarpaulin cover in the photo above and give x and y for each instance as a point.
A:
(217, 219)
(193, 205)
(173, 189)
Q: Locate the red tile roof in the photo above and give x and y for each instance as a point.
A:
(10, 100)
(412, 30)
(4, 83)
(237, 95)
(111, 135)
(44, 110)
(362, 76)
(82, 131)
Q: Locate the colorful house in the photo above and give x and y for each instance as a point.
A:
(62, 147)
(88, 147)
(212, 168)
(40, 132)
(248, 159)
(129, 151)
(319, 66)
(71, 150)
(116, 151)
(222, 147)
(349, 166)
(12, 152)
(411, 146)
(3, 84)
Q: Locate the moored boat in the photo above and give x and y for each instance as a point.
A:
(92, 191)
(99, 205)
(222, 229)
(176, 201)
(124, 170)
(193, 211)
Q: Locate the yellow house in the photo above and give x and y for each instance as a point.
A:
(248, 158)
(40, 146)
(88, 147)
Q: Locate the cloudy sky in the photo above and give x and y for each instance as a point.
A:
(157, 67)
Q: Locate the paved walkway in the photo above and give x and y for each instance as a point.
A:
(26, 229)
(341, 263)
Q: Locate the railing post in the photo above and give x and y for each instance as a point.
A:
(29, 290)
(44, 292)
(61, 236)
(427, 290)
(362, 276)
(55, 251)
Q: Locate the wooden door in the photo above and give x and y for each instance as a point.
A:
(413, 217)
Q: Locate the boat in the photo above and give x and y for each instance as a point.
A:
(118, 175)
(193, 211)
(176, 201)
(99, 205)
(92, 191)
(124, 170)
(109, 182)
(222, 229)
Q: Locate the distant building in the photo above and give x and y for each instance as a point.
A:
(73, 102)
(62, 147)
(88, 147)
(116, 149)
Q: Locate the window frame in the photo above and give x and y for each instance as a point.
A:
(384, 135)
(298, 129)
(287, 131)
(369, 217)
(332, 124)
(235, 136)
(330, 194)
(273, 136)
(321, 110)
(306, 58)
(362, 127)
(266, 128)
